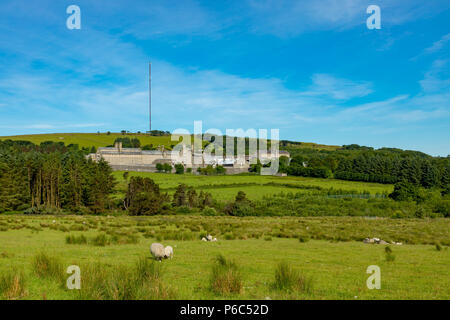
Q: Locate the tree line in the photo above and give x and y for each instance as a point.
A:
(359, 163)
(51, 177)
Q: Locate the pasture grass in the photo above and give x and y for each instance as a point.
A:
(91, 139)
(225, 277)
(103, 139)
(288, 279)
(337, 267)
(255, 186)
(12, 285)
(46, 266)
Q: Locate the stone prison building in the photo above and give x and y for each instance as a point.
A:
(136, 159)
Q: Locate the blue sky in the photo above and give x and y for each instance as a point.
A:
(309, 68)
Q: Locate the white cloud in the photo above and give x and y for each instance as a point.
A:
(286, 18)
(340, 89)
(438, 44)
(434, 79)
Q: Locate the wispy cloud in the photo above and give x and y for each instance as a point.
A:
(434, 79)
(290, 18)
(438, 45)
(336, 88)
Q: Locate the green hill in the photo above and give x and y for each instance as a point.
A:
(103, 139)
(92, 139)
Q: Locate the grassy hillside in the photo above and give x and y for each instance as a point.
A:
(102, 140)
(91, 139)
(255, 186)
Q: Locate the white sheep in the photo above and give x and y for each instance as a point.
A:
(204, 239)
(168, 252)
(157, 251)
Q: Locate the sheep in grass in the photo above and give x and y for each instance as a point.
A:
(168, 252)
(157, 251)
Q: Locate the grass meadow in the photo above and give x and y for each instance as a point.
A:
(91, 139)
(102, 139)
(255, 186)
(306, 256)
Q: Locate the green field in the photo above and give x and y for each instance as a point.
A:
(103, 139)
(337, 269)
(255, 186)
(92, 139)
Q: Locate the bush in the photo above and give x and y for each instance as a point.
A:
(209, 212)
(179, 169)
(101, 240)
(72, 239)
(167, 168)
(288, 279)
(303, 238)
(225, 277)
(229, 236)
(389, 255)
(405, 191)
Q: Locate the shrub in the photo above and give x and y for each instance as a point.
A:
(405, 191)
(438, 246)
(73, 239)
(268, 238)
(167, 168)
(389, 255)
(225, 277)
(303, 238)
(101, 240)
(289, 279)
(12, 285)
(45, 266)
(78, 227)
(179, 168)
(229, 236)
(209, 212)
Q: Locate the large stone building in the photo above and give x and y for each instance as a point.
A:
(135, 159)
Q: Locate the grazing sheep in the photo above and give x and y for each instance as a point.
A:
(204, 239)
(209, 237)
(157, 251)
(215, 239)
(168, 252)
